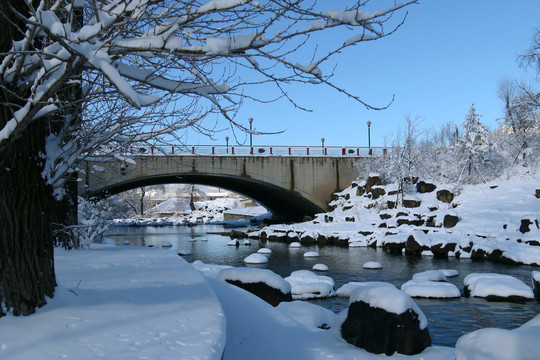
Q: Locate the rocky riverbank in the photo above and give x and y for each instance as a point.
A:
(497, 221)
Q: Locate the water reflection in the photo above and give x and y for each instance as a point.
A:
(448, 319)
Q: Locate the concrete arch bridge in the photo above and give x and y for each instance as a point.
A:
(291, 182)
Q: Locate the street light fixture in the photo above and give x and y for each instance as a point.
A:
(322, 142)
(369, 134)
(250, 129)
(227, 143)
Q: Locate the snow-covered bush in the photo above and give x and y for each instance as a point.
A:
(92, 222)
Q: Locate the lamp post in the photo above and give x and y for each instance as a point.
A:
(227, 143)
(369, 134)
(322, 142)
(250, 129)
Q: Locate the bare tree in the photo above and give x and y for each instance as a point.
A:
(80, 78)
(521, 119)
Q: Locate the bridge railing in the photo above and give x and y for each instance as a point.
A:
(258, 150)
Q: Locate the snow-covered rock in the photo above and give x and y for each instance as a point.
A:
(184, 252)
(265, 251)
(209, 270)
(256, 258)
(536, 284)
(306, 284)
(449, 272)
(496, 287)
(233, 242)
(310, 315)
(311, 254)
(166, 244)
(500, 344)
(295, 244)
(373, 265)
(383, 319)
(348, 288)
(430, 289)
(263, 283)
(320, 267)
(430, 275)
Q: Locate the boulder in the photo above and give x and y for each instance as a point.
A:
(385, 216)
(445, 196)
(372, 181)
(307, 239)
(414, 247)
(379, 326)
(408, 203)
(360, 191)
(263, 283)
(377, 192)
(537, 193)
(450, 220)
(235, 234)
(525, 226)
(441, 251)
(410, 221)
(496, 287)
(394, 248)
(536, 284)
(424, 187)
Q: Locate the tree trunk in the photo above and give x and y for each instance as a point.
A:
(26, 215)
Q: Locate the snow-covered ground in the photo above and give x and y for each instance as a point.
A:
(499, 220)
(120, 303)
(149, 303)
(178, 213)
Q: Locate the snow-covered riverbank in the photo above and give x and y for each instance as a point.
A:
(497, 221)
(148, 303)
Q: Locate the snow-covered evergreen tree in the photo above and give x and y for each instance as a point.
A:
(473, 147)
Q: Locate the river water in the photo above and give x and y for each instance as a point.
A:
(448, 319)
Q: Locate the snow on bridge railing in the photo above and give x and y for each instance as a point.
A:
(258, 150)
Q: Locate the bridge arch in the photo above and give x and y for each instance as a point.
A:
(283, 203)
(288, 186)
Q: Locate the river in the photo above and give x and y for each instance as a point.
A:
(448, 319)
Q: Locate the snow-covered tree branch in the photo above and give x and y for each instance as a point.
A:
(142, 69)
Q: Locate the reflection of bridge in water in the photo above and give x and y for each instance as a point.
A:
(291, 181)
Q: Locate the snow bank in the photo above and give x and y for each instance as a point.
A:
(310, 315)
(488, 284)
(251, 276)
(209, 270)
(430, 289)
(306, 284)
(120, 303)
(499, 344)
(387, 297)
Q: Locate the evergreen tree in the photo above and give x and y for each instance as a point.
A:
(473, 147)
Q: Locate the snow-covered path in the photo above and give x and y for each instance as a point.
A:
(133, 303)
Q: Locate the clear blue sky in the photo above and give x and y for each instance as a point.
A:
(448, 55)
